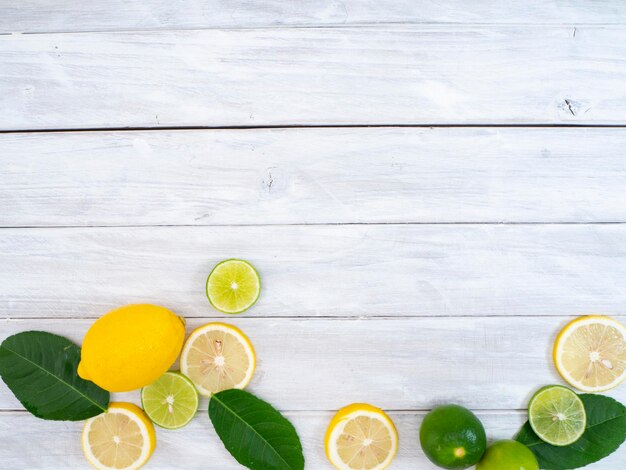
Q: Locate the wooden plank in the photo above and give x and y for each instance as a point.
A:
(491, 363)
(45, 16)
(310, 76)
(58, 443)
(288, 176)
(349, 270)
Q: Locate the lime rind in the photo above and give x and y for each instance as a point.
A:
(226, 273)
(176, 413)
(557, 415)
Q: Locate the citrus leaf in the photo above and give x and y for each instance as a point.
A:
(255, 433)
(605, 432)
(40, 369)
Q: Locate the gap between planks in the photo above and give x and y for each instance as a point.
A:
(317, 317)
(403, 412)
(364, 25)
(312, 126)
(313, 224)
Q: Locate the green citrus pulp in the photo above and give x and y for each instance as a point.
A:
(170, 402)
(233, 286)
(508, 455)
(452, 437)
(557, 415)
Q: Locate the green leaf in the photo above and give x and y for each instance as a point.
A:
(255, 433)
(40, 369)
(605, 432)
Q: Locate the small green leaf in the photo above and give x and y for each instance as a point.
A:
(40, 369)
(255, 433)
(605, 432)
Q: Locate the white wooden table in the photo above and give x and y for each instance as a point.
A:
(430, 191)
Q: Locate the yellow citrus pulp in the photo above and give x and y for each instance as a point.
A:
(121, 438)
(361, 436)
(590, 353)
(217, 357)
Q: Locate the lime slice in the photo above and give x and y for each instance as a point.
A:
(233, 286)
(170, 402)
(557, 415)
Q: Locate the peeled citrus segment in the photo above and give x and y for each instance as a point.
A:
(218, 357)
(361, 436)
(557, 415)
(122, 438)
(590, 353)
(233, 286)
(170, 402)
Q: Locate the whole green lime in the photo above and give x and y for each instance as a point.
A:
(453, 437)
(508, 455)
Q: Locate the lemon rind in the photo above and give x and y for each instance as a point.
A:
(339, 423)
(566, 333)
(146, 450)
(225, 327)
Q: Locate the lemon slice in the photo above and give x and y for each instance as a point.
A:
(590, 353)
(122, 438)
(218, 357)
(233, 286)
(361, 437)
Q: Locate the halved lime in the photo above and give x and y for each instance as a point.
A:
(557, 415)
(170, 402)
(233, 286)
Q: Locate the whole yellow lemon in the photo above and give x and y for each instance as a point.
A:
(131, 347)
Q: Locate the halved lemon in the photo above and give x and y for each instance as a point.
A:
(590, 353)
(217, 357)
(122, 438)
(361, 436)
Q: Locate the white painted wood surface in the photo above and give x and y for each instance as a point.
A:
(339, 270)
(294, 76)
(402, 266)
(396, 363)
(198, 446)
(45, 16)
(289, 176)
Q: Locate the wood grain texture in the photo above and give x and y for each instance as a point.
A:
(58, 444)
(344, 270)
(290, 176)
(402, 316)
(396, 363)
(310, 76)
(44, 16)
